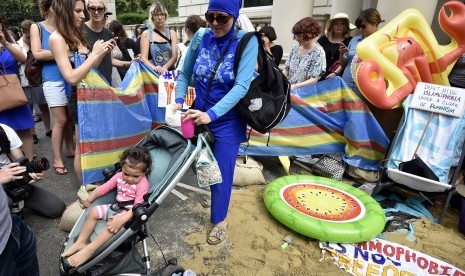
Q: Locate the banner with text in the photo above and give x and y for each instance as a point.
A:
(381, 257)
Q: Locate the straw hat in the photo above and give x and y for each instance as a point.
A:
(340, 16)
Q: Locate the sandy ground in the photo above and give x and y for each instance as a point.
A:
(254, 243)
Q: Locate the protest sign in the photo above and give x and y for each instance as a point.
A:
(381, 257)
(439, 99)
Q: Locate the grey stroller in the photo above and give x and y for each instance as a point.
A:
(172, 156)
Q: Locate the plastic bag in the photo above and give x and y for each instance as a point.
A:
(206, 166)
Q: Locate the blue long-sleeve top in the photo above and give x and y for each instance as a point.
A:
(227, 89)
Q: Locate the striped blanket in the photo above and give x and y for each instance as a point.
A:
(332, 120)
(111, 120)
(326, 117)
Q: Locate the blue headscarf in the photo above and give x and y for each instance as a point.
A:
(231, 7)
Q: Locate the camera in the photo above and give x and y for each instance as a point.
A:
(19, 189)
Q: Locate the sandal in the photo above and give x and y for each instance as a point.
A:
(206, 202)
(63, 171)
(217, 235)
(35, 139)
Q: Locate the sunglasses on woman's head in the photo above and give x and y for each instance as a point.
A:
(220, 18)
(363, 26)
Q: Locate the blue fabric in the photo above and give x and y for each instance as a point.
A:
(20, 253)
(19, 118)
(50, 71)
(349, 56)
(227, 89)
(231, 7)
(226, 155)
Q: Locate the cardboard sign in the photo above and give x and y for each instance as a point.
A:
(167, 90)
(439, 99)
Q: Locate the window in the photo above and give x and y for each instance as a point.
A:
(257, 3)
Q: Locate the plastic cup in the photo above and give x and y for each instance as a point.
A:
(187, 127)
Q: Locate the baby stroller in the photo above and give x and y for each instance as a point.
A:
(172, 157)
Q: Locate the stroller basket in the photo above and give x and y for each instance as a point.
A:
(171, 155)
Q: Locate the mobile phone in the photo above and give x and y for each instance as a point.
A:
(342, 44)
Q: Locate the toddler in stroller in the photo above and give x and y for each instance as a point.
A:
(131, 185)
(172, 156)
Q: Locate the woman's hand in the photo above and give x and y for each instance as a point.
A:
(199, 117)
(11, 172)
(101, 47)
(331, 75)
(343, 49)
(161, 69)
(176, 107)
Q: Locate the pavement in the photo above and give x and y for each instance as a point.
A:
(179, 215)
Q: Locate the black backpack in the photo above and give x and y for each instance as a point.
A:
(268, 99)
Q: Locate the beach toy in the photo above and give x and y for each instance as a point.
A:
(324, 209)
(405, 51)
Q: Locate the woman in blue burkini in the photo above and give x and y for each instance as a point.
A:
(159, 52)
(217, 106)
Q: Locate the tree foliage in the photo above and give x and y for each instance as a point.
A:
(143, 6)
(15, 11)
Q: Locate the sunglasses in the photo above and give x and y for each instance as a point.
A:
(220, 18)
(363, 26)
(94, 9)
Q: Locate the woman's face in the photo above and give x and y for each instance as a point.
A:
(220, 22)
(79, 16)
(158, 18)
(367, 28)
(339, 26)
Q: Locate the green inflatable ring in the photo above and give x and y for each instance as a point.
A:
(324, 209)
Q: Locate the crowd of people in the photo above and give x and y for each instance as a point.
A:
(64, 37)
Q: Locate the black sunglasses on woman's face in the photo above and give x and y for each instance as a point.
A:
(220, 18)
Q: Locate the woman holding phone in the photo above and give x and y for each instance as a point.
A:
(367, 22)
(66, 41)
(337, 35)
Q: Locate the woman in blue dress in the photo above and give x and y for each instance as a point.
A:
(216, 107)
(20, 118)
(159, 52)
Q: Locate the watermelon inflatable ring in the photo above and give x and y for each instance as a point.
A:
(324, 209)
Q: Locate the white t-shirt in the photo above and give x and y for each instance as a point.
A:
(15, 143)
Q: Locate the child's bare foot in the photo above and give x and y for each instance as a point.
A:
(75, 247)
(80, 257)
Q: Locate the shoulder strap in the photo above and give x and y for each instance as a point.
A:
(241, 47)
(212, 75)
(150, 35)
(162, 35)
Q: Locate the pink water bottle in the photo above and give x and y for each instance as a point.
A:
(187, 127)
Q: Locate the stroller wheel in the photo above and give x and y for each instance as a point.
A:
(171, 269)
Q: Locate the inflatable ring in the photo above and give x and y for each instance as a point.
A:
(324, 209)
